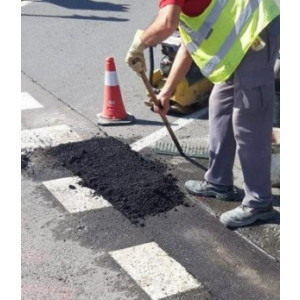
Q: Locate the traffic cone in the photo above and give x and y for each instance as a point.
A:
(113, 112)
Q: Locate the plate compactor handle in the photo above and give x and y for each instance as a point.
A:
(164, 118)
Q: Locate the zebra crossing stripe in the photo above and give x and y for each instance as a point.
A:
(158, 274)
(48, 137)
(28, 102)
(74, 197)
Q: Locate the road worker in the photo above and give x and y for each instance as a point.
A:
(235, 44)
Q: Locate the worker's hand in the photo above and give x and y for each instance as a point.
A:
(135, 56)
(164, 98)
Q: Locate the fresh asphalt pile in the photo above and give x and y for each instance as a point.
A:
(136, 186)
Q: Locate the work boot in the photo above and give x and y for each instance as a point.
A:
(206, 189)
(244, 215)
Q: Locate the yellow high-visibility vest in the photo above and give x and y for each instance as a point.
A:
(219, 38)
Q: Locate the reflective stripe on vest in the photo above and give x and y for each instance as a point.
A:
(205, 29)
(242, 20)
(241, 14)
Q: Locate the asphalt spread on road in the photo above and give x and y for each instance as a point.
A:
(136, 186)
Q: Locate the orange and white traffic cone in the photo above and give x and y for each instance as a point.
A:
(113, 112)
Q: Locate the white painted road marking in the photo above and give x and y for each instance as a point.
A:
(48, 137)
(74, 197)
(157, 135)
(28, 102)
(158, 274)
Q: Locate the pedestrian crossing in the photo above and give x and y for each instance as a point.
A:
(74, 197)
(48, 137)
(28, 102)
(151, 268)
(158, 274)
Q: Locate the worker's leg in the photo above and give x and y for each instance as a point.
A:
(253, 120)
(252, 123)
(253, 134)
(219, 177)
(222, 142)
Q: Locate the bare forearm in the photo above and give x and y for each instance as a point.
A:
(180, 67)
(163, 26)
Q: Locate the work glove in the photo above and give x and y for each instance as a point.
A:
(135, 55)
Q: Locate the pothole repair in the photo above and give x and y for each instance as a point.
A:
(135, 186)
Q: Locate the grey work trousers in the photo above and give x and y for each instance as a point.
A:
(241, 119)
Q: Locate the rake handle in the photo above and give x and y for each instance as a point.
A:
(158, 103)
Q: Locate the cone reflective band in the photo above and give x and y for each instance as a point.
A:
(113, 112)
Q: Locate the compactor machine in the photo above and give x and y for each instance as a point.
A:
(193, 90)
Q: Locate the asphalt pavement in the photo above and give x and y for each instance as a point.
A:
(78, 251)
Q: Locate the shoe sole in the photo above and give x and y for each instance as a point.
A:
(212, 194)
(262, 217)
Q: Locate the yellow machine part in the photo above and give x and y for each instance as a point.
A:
(185, 94)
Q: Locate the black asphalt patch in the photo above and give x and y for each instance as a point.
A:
(136, 186)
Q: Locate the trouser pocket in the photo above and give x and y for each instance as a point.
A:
(254, 91)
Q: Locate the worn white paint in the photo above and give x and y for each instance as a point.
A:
(74, 197)
(158, 274)
(28, 102)
(48, 137)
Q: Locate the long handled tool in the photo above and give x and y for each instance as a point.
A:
(167, 149)
(157, 103)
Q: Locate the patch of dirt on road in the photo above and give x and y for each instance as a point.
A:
(132, 184)
(24, 161)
